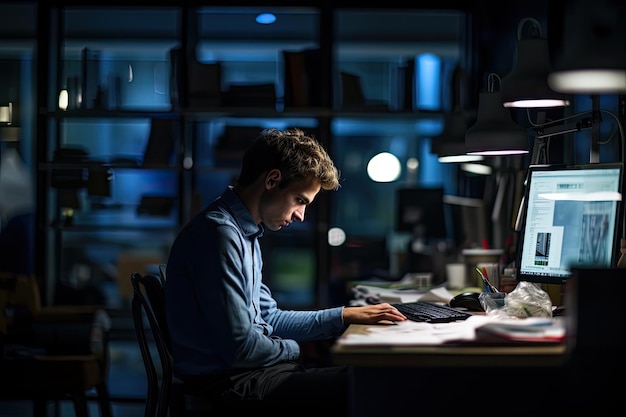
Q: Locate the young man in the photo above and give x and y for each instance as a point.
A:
(229, 337)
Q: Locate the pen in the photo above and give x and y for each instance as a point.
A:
(485, 282)
(491, 286)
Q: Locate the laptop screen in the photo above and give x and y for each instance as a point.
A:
(571, 219)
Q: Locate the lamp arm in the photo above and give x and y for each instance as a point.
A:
(539, 156)
(544, 132)
(620, 128)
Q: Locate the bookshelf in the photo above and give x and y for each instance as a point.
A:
(173, 94)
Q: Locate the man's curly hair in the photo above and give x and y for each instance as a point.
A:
(297, 155)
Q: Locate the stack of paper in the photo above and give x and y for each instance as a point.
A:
(531, 329)
(477, 329)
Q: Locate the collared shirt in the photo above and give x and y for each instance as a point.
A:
(220, 314)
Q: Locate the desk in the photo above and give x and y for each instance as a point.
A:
(468, 380)
(447, 356)
(445, 379)
(516, 380)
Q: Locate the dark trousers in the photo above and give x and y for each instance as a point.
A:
(287, 387)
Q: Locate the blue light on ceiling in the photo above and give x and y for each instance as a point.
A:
(265, 18)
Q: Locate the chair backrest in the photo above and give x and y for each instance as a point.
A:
(148, 310)
(166, 395)
(163, 272)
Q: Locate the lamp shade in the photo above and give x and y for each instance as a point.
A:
(526, 86)
(495, 132)
(450, 144)
(593, 59)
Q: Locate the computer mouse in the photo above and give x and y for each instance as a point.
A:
(468, 301)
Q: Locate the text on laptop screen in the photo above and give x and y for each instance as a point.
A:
(571, 219)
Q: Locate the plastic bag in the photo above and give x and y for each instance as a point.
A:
(526, 300)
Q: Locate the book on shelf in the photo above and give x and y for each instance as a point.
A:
(302, 71)
(351, 91)
(406, 91)
(160, 146)
(177, 81)
(90, 78)
(204, 84)
(296, 88)
(353, 96)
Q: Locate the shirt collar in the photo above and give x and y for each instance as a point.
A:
(241, 214)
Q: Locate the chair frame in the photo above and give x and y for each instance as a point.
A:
(166, 395)
(168, 398)
(146, 288)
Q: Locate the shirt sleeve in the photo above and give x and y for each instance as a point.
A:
(302, 325)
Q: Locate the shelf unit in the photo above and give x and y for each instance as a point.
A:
(238, 81)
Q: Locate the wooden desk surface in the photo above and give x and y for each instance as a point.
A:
(518, 355)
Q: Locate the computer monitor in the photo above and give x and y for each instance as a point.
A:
(571, 220)
(421, 211)
(470, 220)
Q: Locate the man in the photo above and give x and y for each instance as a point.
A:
(229, 337)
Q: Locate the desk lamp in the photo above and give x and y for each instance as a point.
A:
(495, 133)
(449, 145)
(526, 86)
(593, 60)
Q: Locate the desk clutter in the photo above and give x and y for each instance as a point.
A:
(521, 316)
(477, 329)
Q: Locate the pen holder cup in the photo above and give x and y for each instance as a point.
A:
(473, 257)
(492, 300)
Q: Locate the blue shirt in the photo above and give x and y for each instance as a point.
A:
(220, 315)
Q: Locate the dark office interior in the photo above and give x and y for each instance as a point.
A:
(120, 120)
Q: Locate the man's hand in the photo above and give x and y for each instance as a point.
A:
(371, 314)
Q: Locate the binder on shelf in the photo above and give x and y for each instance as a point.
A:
(114, 92)
(178, 86)
(160, 146)
(302, 70)
(351, 91)
(204, 84)
(74, 95)
(296, 83)
(90, 78)
(408, 86)
(353, 97)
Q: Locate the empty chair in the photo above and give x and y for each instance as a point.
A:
(51, 353)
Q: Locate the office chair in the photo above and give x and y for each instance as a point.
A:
(165, 396)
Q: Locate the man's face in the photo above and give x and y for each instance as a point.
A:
(281, 206)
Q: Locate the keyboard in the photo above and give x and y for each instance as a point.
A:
(430, 312)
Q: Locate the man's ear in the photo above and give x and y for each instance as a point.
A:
(272, 179)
